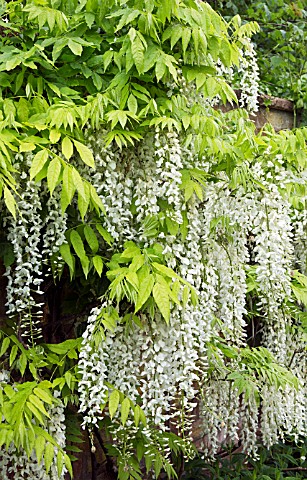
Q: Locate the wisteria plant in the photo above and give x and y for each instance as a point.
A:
(154, 246)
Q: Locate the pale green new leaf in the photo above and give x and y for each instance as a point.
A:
(85, 153)
(22, 363)
(68, 187)
(137, 50)
(145, 289)
(124, 411)
(132, 104)
(54, 136)
(75, 47)
(113, 402)
(36, 413)
(53, 173)
(44, 395)
(38, 162)
(48, 456)
(212, 87)
(160, 69)
(5, 345)
(78, 183)
(13, 354)
(96, 200)
(83, 202)
(9, 201)
(68, 464)
(137, 415)
(59, 463)
(98, 264)
(166, 271)
(143, 417)
(27, 147)
(38, 404)
(67, 148)
(39, 447)
(186, 36)
(162, 300)
(91, 238)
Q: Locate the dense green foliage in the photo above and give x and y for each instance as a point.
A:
(280, 44)
(284, 461)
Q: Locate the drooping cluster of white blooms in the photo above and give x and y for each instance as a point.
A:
(145, 193)
(92, 366)
(167, 174)
(36, 235)
(212, 241)
(299, 222)
(113, 185)
(55, 226)
(249, 78)
(273, 249)
(25, 279)
(165, 368)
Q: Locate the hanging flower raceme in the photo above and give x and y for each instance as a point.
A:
(274, 256)
(55, 226)
(24, 280)
(249, 79)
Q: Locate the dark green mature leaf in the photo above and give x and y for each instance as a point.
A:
(68, 258)
(91, 238)
(77, 244)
